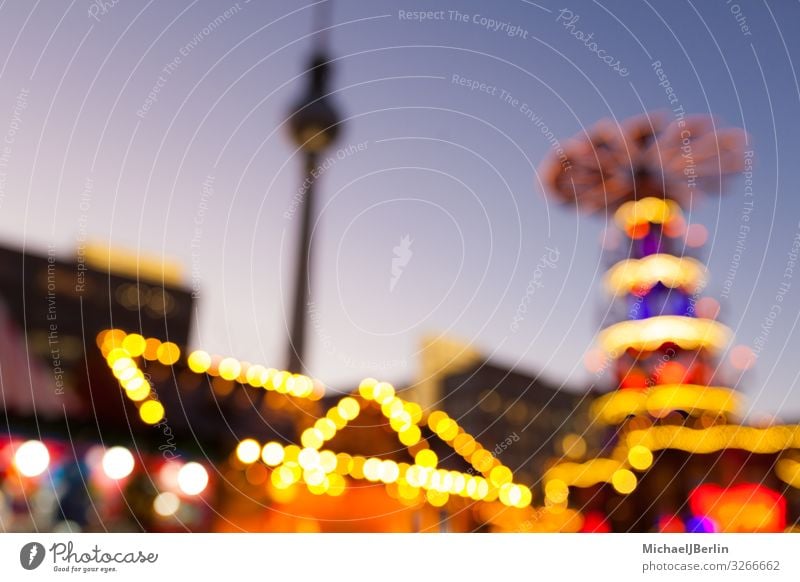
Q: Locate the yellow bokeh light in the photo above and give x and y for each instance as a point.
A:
(151, 412)
(437, 498)
(300, 386)
(277, 381)
(319, 488)
(483, 488)
(336, 485)
(291, 452)
(366, 388)
(326, 427)
(415, 411)
(471, 486)
(410, 436)
(312, 438)
(482, 460)
(139, 393)
(134, 344)
(459, 483)
(199, 361)
(135, 383)
(401, 422)
(277, 480)
(115, 354)
(556, 491)
(435, 418)
(573, 446)
(242, 377)
(447, 429)
(285, 476)
(120, 365)
(348, 408)
(623, 481)
(509, 494)
(230, 368)
(393, 407)
(127, 375)
(111, 339)
(151, 349)
(357, 467)
(525, 498)
(464, 444)
(256, 375)
(407, 491)
(344, 463)
(426, 458)
(640, 457)
(336, 417)
(500, 475)
(383, 392)
(649, 209)
(168, 353)
(100, 338)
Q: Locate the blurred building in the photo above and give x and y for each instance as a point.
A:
(54, 310)
(523, 419)
(66, 463)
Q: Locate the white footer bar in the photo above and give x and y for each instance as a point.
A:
(400, 557)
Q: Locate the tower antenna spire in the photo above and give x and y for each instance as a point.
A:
(314, 124)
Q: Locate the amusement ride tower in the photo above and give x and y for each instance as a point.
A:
(671, 455)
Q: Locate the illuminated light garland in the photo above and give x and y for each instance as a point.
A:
(314, 469)
(788, 471)
(120, 349)
(647, 210)
(659, 400)
(615, 406)
(255, 375)
(669, 270)
(585, 474)
(716, 438)
(322, 470)
(693, 399)
(649, 334)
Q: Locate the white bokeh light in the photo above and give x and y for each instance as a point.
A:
(192, 478)
(118, 463)
(166, 504)
(32, 458)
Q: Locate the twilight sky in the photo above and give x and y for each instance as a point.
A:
(167, 118)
